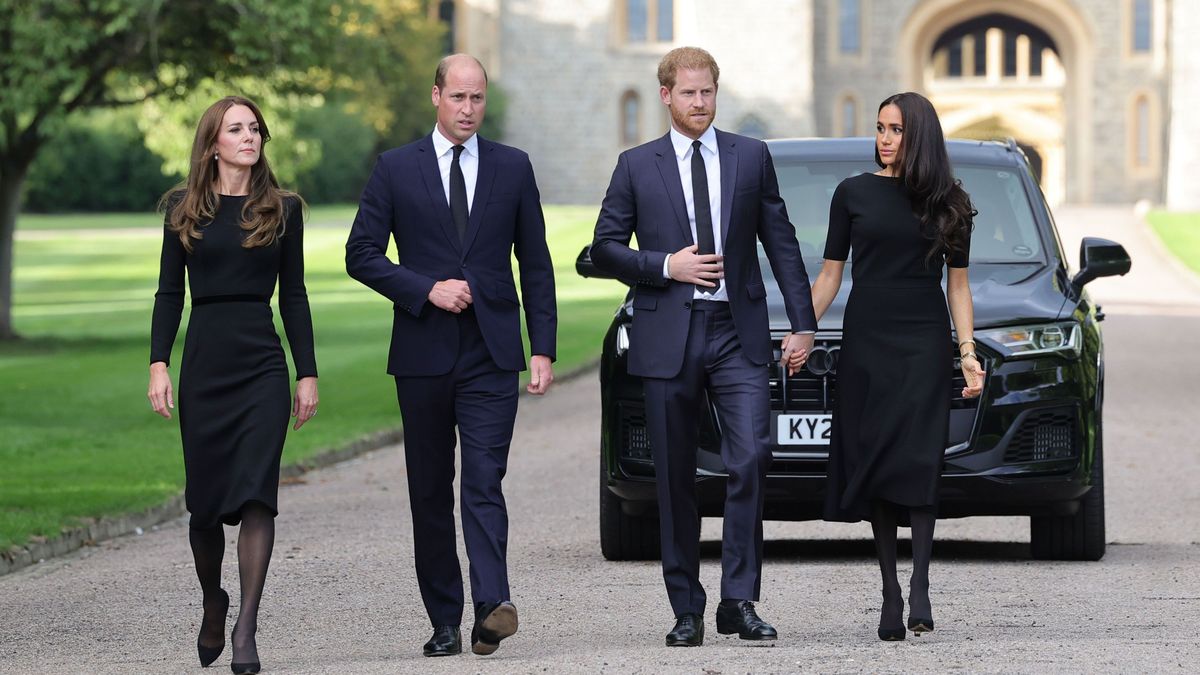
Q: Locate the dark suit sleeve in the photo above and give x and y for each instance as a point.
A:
(778, 237)
(293, 296)
(614, 229)
(366, 248)
(537, 270)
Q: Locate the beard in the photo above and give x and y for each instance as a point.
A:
(695, 126)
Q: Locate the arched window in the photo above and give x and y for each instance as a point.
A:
(845, 116)
(631, 111)
(1141, 26)
(849, 26)
(649, 21)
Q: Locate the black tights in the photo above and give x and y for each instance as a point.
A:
(884, 516)
(256, 539)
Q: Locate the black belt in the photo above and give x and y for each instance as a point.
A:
(214, 299)
(710, 306)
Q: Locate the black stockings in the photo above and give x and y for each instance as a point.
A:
(883, 525)
(208, 547)
(255, 542)
(256, 539)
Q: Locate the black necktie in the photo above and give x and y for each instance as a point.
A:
(704, 228)
(458, 195)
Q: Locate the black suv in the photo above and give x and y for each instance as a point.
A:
(1030, 445)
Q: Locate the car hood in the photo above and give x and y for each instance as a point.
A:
(1002, 294)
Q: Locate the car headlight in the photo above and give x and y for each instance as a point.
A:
(622, 339)
(1049, 338)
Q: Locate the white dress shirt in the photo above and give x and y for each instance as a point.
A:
(468, 161)
(712, 168)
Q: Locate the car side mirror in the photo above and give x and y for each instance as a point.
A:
(584, 266)
(1100, 258)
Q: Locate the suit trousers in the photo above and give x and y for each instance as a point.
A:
(713, 363)
(480, 400)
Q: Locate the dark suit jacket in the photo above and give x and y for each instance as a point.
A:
(645, 197)
(404, 199)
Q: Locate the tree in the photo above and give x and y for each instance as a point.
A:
(62, 56)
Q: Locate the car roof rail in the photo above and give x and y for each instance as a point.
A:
(1011, 143)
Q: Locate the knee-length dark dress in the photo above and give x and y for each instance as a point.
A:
(892, 412)
(234, 395)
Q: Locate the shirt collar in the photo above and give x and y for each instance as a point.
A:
(683, 144)
(442, 145)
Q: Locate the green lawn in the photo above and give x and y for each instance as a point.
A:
(79, 439)
(1181, 233)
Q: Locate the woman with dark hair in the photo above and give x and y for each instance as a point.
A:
(236, 233)
(890, 422)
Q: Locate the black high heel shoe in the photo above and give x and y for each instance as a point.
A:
(891, 633)
(209, 654)
(918, 625)
(246, 668)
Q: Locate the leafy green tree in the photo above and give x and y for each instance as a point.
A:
(58, 57)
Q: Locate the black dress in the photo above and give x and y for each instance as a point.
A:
(234, 394)
(891, 416)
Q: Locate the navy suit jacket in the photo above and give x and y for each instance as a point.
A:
(404, 199)
(645, 197)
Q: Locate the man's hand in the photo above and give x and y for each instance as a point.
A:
(452, 295)
(541, 374)
(687, 267)
(796, 347)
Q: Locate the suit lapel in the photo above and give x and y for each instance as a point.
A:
(668, 166)
(729, 166)
(484, 177)
(432, 175)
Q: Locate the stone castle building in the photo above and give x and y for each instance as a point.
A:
(1100, 93)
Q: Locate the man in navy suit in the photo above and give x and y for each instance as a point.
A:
(699, 200)
(458, 207)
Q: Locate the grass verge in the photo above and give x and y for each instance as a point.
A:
(79, 440)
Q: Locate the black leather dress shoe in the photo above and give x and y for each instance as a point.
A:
(446, 641)
(738, 616)
(494, 621)
(688, 631)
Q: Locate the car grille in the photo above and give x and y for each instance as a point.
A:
(814, 388)
(635, 440)
(1045, 434)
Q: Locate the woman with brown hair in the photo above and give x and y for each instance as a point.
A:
(905, 224)
(236, 233)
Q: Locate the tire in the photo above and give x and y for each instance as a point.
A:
(625, 537)
(1077, 537)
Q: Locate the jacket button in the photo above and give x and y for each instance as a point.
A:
(687, 305)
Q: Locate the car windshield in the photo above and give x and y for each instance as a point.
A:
(1005, 230)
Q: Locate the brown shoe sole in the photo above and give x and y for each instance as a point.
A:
(501, 623)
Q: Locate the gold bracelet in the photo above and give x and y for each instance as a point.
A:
(968, 355)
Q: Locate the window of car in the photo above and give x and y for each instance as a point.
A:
(1005, 229)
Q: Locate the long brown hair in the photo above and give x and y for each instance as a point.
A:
(938, 199)
(194, 202)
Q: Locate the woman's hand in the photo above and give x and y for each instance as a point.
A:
(304, 407)
(973, 373)
(160, 393)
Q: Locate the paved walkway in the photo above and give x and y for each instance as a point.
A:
(1157, 283)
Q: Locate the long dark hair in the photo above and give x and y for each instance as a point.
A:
(195, 201)
(922, 163)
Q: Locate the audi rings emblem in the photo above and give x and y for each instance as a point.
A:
(823, 360)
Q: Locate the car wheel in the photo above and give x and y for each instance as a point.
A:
(622, 536)
(1080, 536)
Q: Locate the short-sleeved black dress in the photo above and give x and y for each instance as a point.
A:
(891, 416)
(234, 392)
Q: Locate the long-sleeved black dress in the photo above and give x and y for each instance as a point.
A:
(234, 394)
(891, 417)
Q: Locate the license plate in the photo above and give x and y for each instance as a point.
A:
(803, 429)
